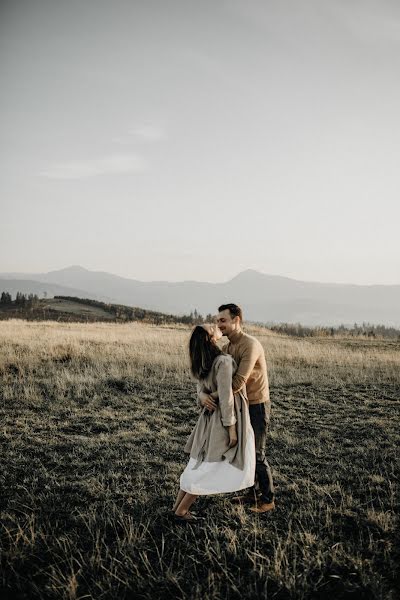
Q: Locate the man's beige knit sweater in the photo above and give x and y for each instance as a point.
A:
(252, 367)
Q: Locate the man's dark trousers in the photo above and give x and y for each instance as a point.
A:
(259, 417)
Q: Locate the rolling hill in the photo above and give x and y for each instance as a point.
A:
(264, 298)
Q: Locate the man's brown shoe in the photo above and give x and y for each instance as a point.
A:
(262, 507)
(244, 499)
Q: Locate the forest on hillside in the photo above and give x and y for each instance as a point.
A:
(31, 307)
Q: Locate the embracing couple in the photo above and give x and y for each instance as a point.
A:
(227, 446)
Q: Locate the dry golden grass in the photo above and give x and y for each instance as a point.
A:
(94, 419)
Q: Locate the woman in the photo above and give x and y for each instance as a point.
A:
(221, 445)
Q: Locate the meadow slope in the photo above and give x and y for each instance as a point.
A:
(94, 418)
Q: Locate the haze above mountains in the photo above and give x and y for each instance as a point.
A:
(264, 298)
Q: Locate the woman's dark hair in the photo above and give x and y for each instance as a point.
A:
(202, 352)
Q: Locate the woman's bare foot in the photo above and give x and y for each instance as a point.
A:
(187, 518)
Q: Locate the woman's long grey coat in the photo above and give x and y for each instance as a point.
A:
(209, 440)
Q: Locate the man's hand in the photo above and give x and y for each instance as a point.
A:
(207, 401)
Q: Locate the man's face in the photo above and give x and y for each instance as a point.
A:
(226, 323)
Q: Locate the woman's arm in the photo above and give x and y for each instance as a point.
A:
(224, 387)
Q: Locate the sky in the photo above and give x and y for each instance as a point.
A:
(181, 140)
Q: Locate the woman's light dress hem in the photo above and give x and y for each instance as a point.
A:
(220, 477)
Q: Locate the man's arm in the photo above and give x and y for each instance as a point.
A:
(245, 367)
(243, 372)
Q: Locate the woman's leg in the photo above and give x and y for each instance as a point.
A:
(185, 504)
(179, 499)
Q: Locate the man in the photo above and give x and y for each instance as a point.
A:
(252, 373)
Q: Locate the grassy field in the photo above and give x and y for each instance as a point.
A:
(93, 421)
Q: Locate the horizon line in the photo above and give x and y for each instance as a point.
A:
(251, 270)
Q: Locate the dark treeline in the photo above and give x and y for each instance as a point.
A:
(122, 312)
(366, 330)
(21, 300)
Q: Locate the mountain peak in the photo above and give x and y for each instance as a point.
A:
(72, 269)
(248, 274)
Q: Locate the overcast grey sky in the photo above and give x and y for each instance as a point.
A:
(191, 140)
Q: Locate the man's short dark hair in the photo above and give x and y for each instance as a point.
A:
(234, 310)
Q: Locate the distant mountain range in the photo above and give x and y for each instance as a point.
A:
(264, 298)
